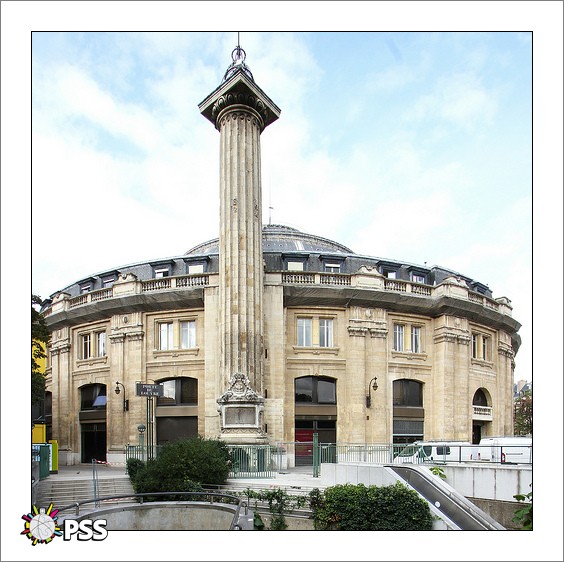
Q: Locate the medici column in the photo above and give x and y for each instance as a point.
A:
(240, 111)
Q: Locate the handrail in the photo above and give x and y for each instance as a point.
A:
(95, 480)
(212, 495)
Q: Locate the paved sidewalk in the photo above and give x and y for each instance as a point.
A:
(299, 477)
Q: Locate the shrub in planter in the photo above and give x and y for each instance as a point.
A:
(351, 507)
(184, 466)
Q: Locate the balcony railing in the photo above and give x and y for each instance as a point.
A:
(482, 413)
(377, 283)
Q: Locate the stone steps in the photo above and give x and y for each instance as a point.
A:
(67, 491)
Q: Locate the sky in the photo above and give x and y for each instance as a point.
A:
(401, 145)
(414, 145)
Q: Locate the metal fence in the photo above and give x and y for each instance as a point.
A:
(40, 454)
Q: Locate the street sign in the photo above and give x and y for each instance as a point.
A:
(142, 389)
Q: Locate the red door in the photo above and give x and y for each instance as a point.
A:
(304, 453)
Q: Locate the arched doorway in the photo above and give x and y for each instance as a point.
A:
(92, 418)
(481, 414)
(408, 412)
(315, 412)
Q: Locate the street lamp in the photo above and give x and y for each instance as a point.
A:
(374, 385)
(125, 401)
(141, 430)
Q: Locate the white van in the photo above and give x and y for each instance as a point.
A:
(507, 449)
(435, 451)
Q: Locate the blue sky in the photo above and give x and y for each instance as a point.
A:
(413, 146)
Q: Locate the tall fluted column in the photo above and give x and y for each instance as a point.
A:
(240, 244)
(240, 110)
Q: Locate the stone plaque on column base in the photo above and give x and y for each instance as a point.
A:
(240, 409)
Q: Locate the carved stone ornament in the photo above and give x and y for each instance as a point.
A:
(240, 391)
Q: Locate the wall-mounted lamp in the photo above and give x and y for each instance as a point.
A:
(125, 401)
(374, 385)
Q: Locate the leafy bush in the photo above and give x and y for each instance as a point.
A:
(133, 466)
(279, 503)
(349, 507)
(183, 466)
(524, 515)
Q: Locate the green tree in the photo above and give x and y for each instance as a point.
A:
(183, 466)
(523, 414)
(39, 339)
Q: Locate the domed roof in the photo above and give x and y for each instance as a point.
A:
(279, 238)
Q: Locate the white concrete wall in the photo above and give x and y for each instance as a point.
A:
(472, 481)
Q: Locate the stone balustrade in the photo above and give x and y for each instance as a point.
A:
(130, 285)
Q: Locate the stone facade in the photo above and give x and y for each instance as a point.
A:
(271, 334)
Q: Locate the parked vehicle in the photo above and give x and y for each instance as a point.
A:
(507, 449)
(436, 451)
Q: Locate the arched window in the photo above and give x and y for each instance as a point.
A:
(316, 390)
(408, 393)
(181, 391)
(480, 398)
(93, 397)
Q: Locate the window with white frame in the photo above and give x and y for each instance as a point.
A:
(295, 266)
(92, 344)
(166, 335)
(187, 334)
(390, 274)
(175, 334)
(408, 338)
(195, 268)
(332, 267)
(86, 288)
(160, 272)
(304, 332)
(417, 278)
(325, 332)
(481, 346)
(416, 339)
(108, 281)
(315, 332)
(398, 337)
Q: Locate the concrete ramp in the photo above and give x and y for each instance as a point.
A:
(457, 511)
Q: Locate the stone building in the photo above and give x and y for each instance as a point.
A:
(269, 334)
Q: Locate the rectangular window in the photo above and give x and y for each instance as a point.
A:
(333, 267)
(304, 332)
(187, 334)
(475, 346)
(416, 339)
(86, 346)
(107, 282)
(196, 268)
(416, 278)
(485, 348)
(295, 266)
(85, 289)
(165, 335)
(390, 274)
(325, 332)
(398, 337)
(161, 272)
(101, 344)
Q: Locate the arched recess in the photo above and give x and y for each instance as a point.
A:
(315, 410)
(482, 414)
(92, 418)
(408, 411)
(177, 410)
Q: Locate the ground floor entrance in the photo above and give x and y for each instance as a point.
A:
(93, 442)
(305, 428)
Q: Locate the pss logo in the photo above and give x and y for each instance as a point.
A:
(85, 530)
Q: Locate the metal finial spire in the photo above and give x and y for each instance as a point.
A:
(238, 57)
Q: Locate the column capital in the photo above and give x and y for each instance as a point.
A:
(240, 90)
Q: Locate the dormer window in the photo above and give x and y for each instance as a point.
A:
(418, 278)
(295, 266)
(85, 288)
(162, 269)
(390, 273)
(332, 267)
